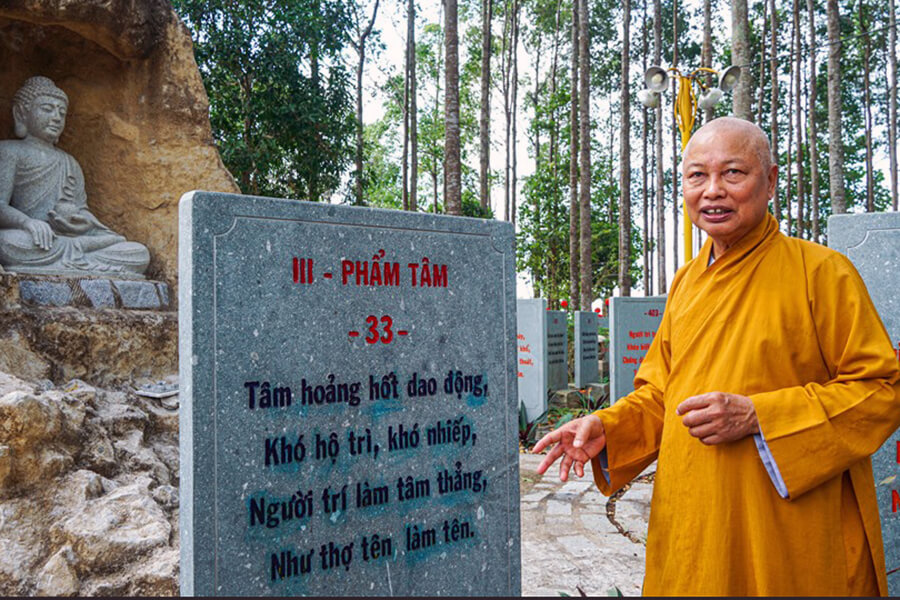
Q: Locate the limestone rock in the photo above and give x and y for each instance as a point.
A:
(88, 492)
(57, 578)
(116, 528)
(138, 113)
(37, 438)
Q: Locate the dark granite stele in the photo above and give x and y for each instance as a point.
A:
(872, 243)
(88, 292)
(349, 421)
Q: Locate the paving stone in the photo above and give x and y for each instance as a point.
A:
(578, 545)
(45, 293)
(138, 294)
(598, 523)
(575, 545)
(535, 496)
(555, 507)
(576, 487)
(99, 292)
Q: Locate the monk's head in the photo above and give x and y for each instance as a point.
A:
(728, 179)
(39, 109)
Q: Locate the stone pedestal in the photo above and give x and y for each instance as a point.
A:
(104, 331)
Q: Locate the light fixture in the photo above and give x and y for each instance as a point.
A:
(656, 79)
(710, 98)
(648, 98)
(729, 78)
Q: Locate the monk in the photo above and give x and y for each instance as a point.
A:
(766, 389)
(45, 224)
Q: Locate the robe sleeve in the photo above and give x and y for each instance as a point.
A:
(821, 429)
(634, 423)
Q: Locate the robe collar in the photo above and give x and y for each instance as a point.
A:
(766, 230)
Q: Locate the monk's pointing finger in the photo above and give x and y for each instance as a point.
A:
(553, 436)
(551, 457)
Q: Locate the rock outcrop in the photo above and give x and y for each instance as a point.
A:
(88, 492)
(138, 113)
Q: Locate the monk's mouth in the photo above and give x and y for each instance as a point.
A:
(716, 215)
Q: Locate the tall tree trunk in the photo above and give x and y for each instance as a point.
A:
(892, 99)
(404, 157)
(537, 274)
(677, 237)
(835, 142)
(813, 134)
(789, 179)
(798, 109)
(740, 55)
(706, 51)
(515, 96)
(574, 231)
(867, 106)
(358, 175)
(773, 73)
(676, 207)
(762, 65)
(487, 7)
(645, 247)
(584, 116)
(413, 108)
(452, 166)
(658, 143)
(625, 159)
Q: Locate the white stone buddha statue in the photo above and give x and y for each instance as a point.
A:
(45, 224)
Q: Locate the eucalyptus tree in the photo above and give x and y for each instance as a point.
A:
(281, 105)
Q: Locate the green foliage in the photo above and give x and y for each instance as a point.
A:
(528, 429)
(280, 97)
(381, 176)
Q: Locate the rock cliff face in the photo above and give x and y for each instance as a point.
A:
(138, 112)
(88, 492)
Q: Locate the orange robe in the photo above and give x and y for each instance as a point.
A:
(790, 324)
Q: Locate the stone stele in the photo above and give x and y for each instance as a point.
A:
(354, 367)
(138, 120)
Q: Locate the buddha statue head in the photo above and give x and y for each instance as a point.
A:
(39, 109)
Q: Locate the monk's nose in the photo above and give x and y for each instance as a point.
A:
(713, 187)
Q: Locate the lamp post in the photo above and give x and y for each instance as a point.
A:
(657, 80)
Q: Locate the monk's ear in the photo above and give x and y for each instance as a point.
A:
(772, 181)
(19, 126)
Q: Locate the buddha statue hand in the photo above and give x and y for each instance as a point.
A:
(67, 218)
(41, 233)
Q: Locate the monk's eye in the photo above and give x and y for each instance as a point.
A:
(734, 174)
(695, 176)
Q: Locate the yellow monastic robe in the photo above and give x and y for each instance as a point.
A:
(790, 324)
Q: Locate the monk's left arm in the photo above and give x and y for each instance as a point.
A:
(816, 431)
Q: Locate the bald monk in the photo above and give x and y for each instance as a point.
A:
(765, 391)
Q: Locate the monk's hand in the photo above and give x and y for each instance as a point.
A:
(577, 442)
(40, 232)
(717, 418)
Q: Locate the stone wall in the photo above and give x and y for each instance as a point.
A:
(138, 112)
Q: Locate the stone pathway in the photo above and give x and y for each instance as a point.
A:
(569, 542)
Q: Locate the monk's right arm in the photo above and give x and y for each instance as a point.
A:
(634, 423)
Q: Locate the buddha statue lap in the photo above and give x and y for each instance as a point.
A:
(45, 224)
